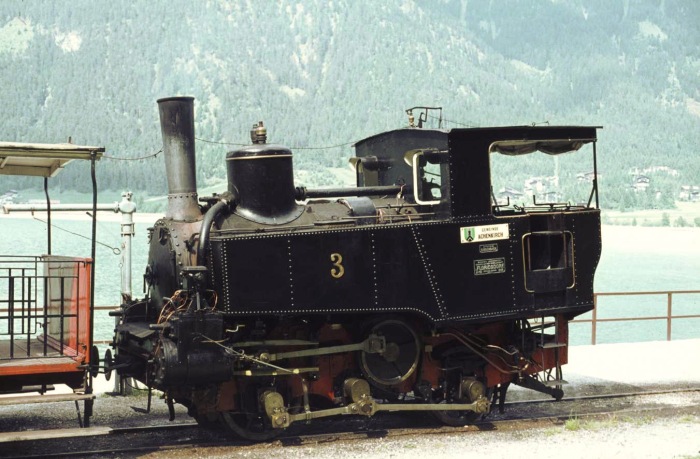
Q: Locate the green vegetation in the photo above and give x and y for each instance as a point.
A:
(573, 423)
(324, 74)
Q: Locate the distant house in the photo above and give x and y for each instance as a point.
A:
(8, 197)
(586, 176)
(537, 185)
(689, 193)
(549, 196)
(666, 169)
(640, 183)
(509, 195)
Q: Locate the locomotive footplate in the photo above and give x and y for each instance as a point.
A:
(357, 391)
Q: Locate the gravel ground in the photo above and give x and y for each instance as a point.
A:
(633, 438)
(109, 410)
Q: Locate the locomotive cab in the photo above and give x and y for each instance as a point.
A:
(450, 178)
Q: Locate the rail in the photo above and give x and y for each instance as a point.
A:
(669, 317)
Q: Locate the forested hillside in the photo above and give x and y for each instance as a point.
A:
(322, 73)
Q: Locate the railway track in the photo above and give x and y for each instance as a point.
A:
(175, 440)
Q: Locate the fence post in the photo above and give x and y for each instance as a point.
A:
(669, 315)
(594, 317)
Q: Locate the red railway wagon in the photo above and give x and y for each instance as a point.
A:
(46, 301)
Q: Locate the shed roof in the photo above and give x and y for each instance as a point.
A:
(42, 159)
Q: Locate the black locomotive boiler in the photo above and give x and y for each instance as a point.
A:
(270, 304)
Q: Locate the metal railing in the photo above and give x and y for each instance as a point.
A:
(669, 317)
(595, 320)
(43, 306)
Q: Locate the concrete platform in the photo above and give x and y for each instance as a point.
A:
(626, 367)
(636, 364)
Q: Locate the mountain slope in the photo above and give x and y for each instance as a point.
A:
(323, 73)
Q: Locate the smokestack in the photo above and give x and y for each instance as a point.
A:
(177, 127)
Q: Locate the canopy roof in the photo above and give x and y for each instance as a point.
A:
(551, 147)
(42, 159)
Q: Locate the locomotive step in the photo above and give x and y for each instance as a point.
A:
(555, 382)
(46, 398)
(551, 345)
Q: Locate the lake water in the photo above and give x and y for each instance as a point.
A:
(635, 259)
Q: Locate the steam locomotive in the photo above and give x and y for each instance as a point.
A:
(416, 290)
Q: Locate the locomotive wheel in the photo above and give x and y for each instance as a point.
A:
(108, 364)
(249, 426)
(249, 421)
(471, 392)
(456, 418)
(209, 421)
(94, 361)
(399, 360)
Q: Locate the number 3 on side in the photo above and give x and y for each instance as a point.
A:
(338, 270)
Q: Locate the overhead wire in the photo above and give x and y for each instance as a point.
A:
(125, 158)
(328, 147)
(115, 250)
(238, 144)
(452, 122)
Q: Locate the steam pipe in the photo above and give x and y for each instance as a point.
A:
(8, 208)
(209, 218)
(303, 193)
(177, 128)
